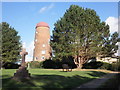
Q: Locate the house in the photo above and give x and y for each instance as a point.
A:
(112, 59)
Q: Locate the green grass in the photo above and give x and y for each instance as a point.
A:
(42, 79)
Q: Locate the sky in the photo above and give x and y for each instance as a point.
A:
(24, 16)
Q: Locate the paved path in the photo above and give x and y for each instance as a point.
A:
(96, 83)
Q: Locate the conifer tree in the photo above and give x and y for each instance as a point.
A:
(109, 46)
(81, 34)
(0, 45)
(11, 44)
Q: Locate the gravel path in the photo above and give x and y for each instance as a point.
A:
(96, 83)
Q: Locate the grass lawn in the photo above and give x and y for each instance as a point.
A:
(42, 79)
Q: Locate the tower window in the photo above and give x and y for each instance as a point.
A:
(36, 58)
(48, 41)
(36, 40)
(36, 32)
(42, 57)
(43, 45)
(43, 52)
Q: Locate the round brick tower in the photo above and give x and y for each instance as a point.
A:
(42, 48)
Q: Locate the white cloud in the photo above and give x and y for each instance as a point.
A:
(45, 8)
(118, 49)
(23, 45)
(29, 48)
(51, 6)
(113, 23)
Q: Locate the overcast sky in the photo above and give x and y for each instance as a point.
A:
(24, 16)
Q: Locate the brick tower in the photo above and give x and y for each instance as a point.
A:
(42, 48)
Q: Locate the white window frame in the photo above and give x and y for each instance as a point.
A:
(36, 32)
(43, 51)
(36, 58)
(48, 41)
(43, 45)
(43, 57)
(36, 40)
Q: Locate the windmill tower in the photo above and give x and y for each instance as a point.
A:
(42, 48)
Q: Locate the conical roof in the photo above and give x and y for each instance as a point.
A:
(42, 24)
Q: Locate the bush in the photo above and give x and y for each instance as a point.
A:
(49, 64)
(100, 65)
(116, 66)
(11, 65)
(106, 66)
(92, 65)
(58, 64)
(34, 64)
(41, 64)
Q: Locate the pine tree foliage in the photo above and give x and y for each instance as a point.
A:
(80, 33)
(110, 46)
(11, 44)
(0, 44)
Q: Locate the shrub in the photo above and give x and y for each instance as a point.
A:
(100, 65)
(106, 66)
(49, 64)
(11, 65)
(34, 64)
(92, 65)
(114, 67)
(41, 64)
(118, 64)
(58, 64)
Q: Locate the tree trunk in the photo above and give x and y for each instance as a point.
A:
(77, 61)
(2, 64)
(80, 66)
(81, 60)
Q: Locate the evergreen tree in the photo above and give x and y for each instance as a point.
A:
(109, 46)
(79, 33)
(11, 44)
(0, 44)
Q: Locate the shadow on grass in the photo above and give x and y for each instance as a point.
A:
(65, 71)
(43, 82)
(112, 84)
(96, 74)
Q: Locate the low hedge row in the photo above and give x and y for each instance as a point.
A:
(50, 64)
(58, 65)
(102, 65)
(42, 64)
(11, 65)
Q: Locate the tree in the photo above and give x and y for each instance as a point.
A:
(109, 46)
(79, 33)
(11, 44)
(0, 44)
